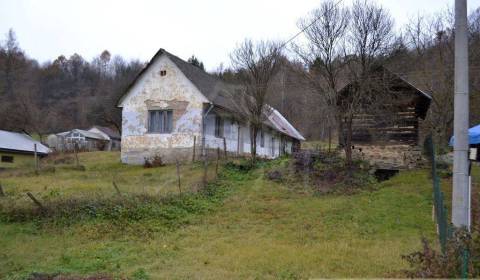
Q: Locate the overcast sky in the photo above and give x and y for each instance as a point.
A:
(210, 29)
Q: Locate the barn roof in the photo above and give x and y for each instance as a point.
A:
(20, 142)
(217, 91)
(84, 133)
(113, 134)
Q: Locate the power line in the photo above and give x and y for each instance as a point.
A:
(305, 28)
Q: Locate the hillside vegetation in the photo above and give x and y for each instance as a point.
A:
(242, 226)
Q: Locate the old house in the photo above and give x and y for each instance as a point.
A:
(388, 131)
(172, 104)
(18, 149)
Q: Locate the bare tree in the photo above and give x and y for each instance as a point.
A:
(325, 29)
(256, 64)
(431, 39)
(368, 41)
(343, 47)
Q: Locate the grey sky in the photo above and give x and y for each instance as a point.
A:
(209, 29)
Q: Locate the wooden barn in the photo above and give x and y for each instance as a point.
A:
(386, 130)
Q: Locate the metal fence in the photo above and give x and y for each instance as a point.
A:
(444, 228)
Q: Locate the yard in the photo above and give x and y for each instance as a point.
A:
(260, 229)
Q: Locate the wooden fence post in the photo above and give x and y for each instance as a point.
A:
(36, 201)
(205, 171)
(178, 176)
(35, 157)
(216, 164)
(194, 144)
(225, 147)
(2, 194)
(116, 188)
(75, 152)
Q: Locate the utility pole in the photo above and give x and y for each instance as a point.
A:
(461, 193)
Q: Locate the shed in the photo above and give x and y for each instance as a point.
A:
(386, 129)
(18, 149)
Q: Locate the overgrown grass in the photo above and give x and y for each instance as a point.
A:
(262, 229)
(102, 169)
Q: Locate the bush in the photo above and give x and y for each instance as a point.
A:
(431, 263)
(155, 161)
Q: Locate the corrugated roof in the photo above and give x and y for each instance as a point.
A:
(282, 125)
(90, 134)
(20, 142)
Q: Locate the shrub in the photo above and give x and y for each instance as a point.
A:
(155, 161)
(431, 263)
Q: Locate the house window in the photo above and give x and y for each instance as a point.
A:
(160, 121)
(218, 126)
(262, 139)
(163, 73)
(8, 159)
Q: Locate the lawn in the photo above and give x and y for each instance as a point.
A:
(260, 230)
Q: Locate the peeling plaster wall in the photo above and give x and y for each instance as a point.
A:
(175, 92)
(152, 92)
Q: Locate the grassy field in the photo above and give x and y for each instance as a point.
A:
(261, 230)
(102, 168)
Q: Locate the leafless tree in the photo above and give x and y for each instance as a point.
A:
(431, 39)
(256, 64)
(343, 47)
(368, 41)
(325, 29)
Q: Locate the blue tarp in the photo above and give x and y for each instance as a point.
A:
(473, 136)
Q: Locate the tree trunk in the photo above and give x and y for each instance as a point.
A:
(348, 142)
(253, 137)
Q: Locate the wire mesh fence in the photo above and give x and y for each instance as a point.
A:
(444, 228)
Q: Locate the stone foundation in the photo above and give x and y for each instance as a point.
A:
(390, 156)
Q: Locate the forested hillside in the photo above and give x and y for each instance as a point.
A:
(71, 92)
(62, 94)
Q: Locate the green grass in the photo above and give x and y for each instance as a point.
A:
(261, 230)
(102, 168)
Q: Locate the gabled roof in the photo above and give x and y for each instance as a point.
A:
(113, 134)
(213, 88)
(84, 133)
(20, 142)
(217, 91)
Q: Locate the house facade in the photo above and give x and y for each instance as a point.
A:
(172, 104)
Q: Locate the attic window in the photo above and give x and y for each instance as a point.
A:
(163, 73)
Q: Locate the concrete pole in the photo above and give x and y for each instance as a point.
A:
(460, 196)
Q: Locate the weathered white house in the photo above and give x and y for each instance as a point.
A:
(172, 103)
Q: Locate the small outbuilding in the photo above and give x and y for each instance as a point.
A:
(97, 138)
(18, 149)
(387, 129)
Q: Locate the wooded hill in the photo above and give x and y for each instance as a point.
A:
(71, 92)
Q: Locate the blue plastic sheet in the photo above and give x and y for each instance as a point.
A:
(473, 136)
